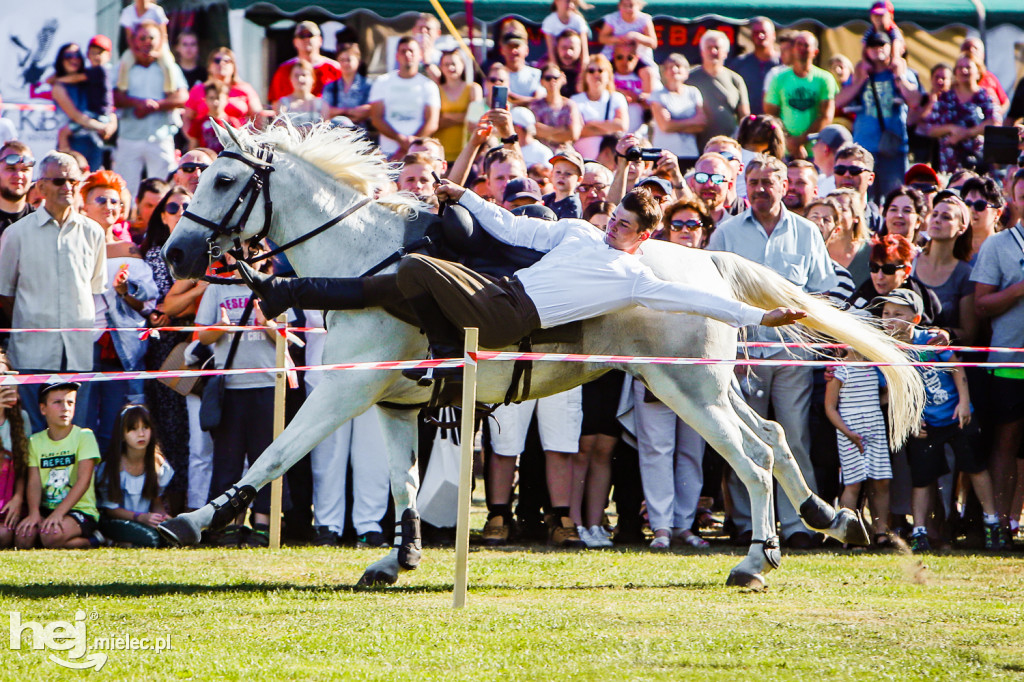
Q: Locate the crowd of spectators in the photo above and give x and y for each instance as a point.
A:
(859, 179)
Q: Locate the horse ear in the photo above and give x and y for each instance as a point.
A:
(226, 135)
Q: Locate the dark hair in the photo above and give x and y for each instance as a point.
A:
(763, 129)
(598, 208)
(19, 438)
(986, 187)
(130, 418)
(647, 209)
(16, 146)
(58, 65)
(915, 196)
(403, 40)
(157, 231)
(152, 185)
(694, 204)
(940, 65)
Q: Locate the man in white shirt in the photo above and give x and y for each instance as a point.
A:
(583, 274)
(404, 104)
(793, 247)
(524, 84)
(52, 262)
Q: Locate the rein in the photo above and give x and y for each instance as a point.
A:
(259, 183)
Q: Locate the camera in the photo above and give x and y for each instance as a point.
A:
(642, 154)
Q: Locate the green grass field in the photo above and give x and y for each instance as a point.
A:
(530, 615)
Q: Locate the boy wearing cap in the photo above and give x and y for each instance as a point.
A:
(566, 171)
(99, 51)
(947, 420)
(826, 143)
(59, 491)
(883, 20)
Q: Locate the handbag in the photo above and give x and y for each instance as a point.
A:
(213, 393)
(175, 361)
(889, 143)
(438, 497)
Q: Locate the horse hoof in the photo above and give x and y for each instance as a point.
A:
(751, 581)
(178, 532)
(374, 577)
(849, 527)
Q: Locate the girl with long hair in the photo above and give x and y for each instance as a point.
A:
(13, 458)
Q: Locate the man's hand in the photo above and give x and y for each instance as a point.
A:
(501, 119)
(782, 316)
(626, 142)
(448, 191)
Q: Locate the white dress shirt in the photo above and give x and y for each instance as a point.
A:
(580, 276)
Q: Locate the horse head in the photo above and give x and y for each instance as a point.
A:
(230, 206)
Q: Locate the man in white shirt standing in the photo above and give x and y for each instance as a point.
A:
(792, 246)
(404, 104)
(51, 263)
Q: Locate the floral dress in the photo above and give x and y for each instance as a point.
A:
(948, 110)
(166, 405)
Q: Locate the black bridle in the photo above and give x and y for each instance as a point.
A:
(262, 166)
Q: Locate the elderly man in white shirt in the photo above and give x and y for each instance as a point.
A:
(51, 263)
(792, 246)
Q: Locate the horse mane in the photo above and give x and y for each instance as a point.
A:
(343, 153)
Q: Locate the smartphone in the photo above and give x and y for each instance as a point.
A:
(499, 97)
(1002, 144)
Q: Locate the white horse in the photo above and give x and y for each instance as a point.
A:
(322, 174)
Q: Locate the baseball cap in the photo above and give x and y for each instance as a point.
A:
(906, 297)
(654, 180)
(570, 155)
(513, 36)
(877, 39)
(921, 172)
(832, 136)
(535, 211)
(58, 385)
(522, 188)
(307, 26)
(883, 8)
(524, 118)
(101, 41)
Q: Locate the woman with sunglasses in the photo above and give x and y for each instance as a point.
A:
(671, 453)
(244, 105)
(960, 115)
(83, 95)
(987, 205)
(130, 296)
(604, 111)
(892, 261)
(558, 118)
(176, 304)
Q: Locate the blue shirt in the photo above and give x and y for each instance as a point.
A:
(866, 130)
(795, 249)
(939, 387)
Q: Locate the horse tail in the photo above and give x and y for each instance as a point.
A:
(760, 286)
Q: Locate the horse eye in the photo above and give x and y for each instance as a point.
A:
(224, 180)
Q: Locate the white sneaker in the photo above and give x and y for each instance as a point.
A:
(601, 536)
(585, 536)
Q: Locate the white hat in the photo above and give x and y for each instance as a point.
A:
(524, 118)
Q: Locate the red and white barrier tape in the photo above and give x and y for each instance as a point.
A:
(496, 356)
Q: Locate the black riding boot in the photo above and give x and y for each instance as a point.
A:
(446, 341)
(278, 294)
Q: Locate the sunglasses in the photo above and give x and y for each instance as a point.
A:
(595, 70)
(173, 207)
(924, 187)
(714, 178)
(193, 167)
(222, 60)
(304, 35)
(887, 269)
(691, 224)
(16, 159)
(980, 205)
(103, 201)
(850, 170)
(551, 78)
(72, 55)
(60, 182)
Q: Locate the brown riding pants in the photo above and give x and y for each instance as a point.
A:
(499, 308)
